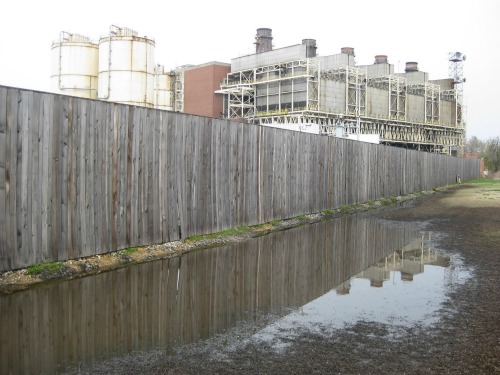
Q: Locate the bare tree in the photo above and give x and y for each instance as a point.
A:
(475, 146)
(492, 154)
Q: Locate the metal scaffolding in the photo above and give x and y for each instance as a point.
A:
(292, 85)
(431, 94)
(288, 94)
(355, 88)
(179, 90)
(396, 91)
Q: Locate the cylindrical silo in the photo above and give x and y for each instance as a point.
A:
(126, 68)
(164, 89)
(74, 66)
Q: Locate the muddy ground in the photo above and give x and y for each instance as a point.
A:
(465, 341)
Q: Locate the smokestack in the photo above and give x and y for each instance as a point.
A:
(311, 47)
(411, 66)
(347, 50)
(381, 59)
(264, 40)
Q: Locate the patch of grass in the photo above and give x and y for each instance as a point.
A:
(35, 269)
(275, 222)
(371, 203)
(224, 233)
(195, 237)
(124, 252)
(129, 250)
(385, 200)
(260, 226)
(302, 217)
(344, 208)
(327, 212)
(492, 235)
(484, 181)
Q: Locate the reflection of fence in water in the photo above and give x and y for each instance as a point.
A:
(186, 298)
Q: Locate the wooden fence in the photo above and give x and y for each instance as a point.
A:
(81, 177)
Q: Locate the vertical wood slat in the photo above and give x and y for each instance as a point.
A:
(10, 176)
(80, 177)
(99, 175)
(154, 201)
(170, 208)
(3, 159)
(162, 176)
(90, 179)
(23, 194)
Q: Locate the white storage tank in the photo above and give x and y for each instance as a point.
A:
(164, 89)
(126, 68)
(74, 66)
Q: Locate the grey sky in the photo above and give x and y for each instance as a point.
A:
(202, 31)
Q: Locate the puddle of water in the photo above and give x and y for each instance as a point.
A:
(162, 305)
(399, 293)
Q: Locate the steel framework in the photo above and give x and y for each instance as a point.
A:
(396, 90)
(179, 91)
(288, 78)
(268, 85)
(431, 94)
(355, 87)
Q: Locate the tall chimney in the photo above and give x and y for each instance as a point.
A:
(347, 50)
(311, 47)
(411, 66)
(264, 40)
(380, 59)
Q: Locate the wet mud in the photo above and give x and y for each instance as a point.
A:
(466, 340)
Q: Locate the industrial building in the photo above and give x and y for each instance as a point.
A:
(200, 85)
(121, 68)
(294, 88)
(291, 87)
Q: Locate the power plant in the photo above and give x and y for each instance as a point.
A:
(292, 88)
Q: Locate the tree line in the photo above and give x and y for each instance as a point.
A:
(488, 150)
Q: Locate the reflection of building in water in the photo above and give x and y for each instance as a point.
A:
(409, 261)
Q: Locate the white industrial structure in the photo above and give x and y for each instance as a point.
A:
(294, 88)
(289, 87)
(74, 66)
(163, 88)
(126, 68)
(119, 68)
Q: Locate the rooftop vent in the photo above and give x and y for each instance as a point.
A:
(411, 66)
(347, 50)
(381, 59)
(264, 40)
(311, 47)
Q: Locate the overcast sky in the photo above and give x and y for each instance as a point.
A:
(195, 32)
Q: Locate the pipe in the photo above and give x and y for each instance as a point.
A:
(61, 38)
(109, 61)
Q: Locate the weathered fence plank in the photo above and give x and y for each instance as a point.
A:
(3, 192)
(81, 177)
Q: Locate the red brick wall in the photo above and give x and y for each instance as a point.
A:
(199, 85)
